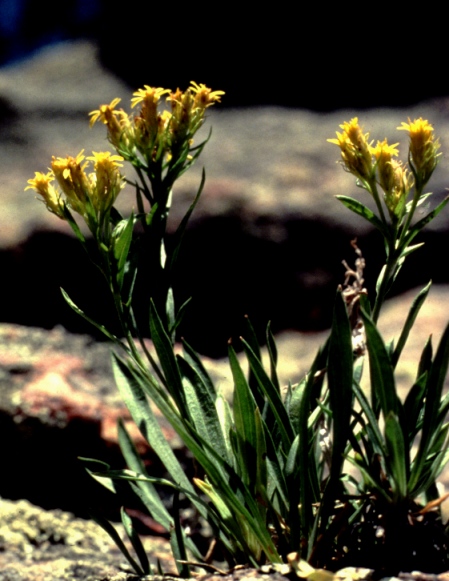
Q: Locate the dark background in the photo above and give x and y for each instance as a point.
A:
(304, 54)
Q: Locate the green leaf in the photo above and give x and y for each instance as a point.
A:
(375, 436)
(340, 377)
(179, 234)
(425, 361)
(261, 455)
(293, 405)
(142, 414)
(224, 415)
(167, 359)
(135, 542)
(416, 228)
(217, 470)
(411, 317)
(202, 408)
(307, 470)
(364, 212)
(381, 370)
(177, 541)
(121, 242)
(74, 226)
(273, 397)
(251, 340)
(82, 314)
(244, 407)
(414, 407)
(195, 362)
(106, 525)
(178, 318)
(397, 456)
(97, 466)
(273, 354)
(147, 491)
(435, 383)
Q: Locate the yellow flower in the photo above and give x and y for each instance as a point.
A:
(355, 149)
(106, 181)
(42, 185)
(182, 105)
(148, 96)
(150, 125)
(397, 189)
(383, 153)
(188, 110)
(120, 130)
(104, 113)
(423, 147)
(72, 180)
(205, 97)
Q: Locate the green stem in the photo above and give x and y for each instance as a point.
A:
(416, 198)
(375, 193)
(387, 278)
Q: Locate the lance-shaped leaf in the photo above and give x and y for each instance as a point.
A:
(167, 359)
(435, 383)
(244, 407)
(273, 397)
(397, 456)
(411, 317)
(361, 210)
(381, 371)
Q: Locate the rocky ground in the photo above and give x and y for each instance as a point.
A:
(268, 240)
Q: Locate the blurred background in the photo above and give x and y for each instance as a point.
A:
(269, 237)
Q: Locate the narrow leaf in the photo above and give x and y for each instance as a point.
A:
(398, 456)
(106, 526)
(177, 541)
(273, 397)
(358, 208)
(381, 370)
(164, 349)
(411, 317)
(135, 542)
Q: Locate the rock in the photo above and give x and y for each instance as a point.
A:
(54, 545)
(59, 402)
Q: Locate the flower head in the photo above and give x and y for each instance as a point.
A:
(424, 147)
(150, 125)
(120, 130)
(383, 153)
(70, 175)
(399, 184)
(188, 109)
(205, 97)
(355, 149)
(42, 185)
(106, 180)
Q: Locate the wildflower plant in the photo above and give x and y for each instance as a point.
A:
(323, 471)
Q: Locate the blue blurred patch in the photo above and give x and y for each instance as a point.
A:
(27, 25)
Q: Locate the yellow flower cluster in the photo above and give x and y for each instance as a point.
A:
(90, 194)
(372, 164)
(153, 133)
